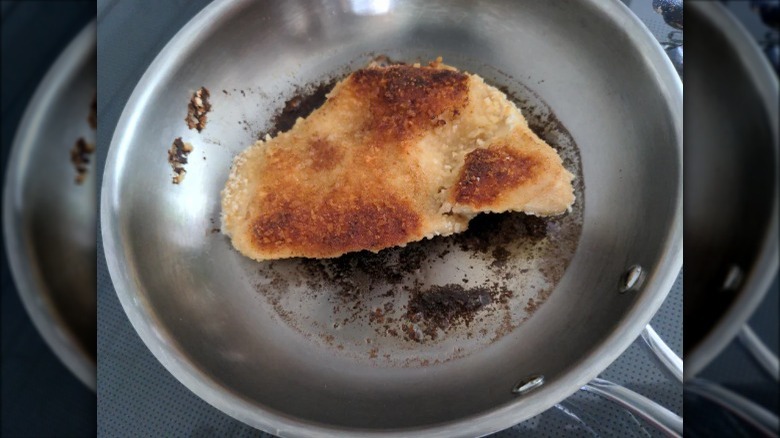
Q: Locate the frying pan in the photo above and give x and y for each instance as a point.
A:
(731, 211)
(234, 331)
(48, 220)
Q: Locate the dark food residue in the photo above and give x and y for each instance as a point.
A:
(198, 108)
(81, 150)
(177, 157)
(79, 156)
(440, 307)
(304, 102)
(430, 309)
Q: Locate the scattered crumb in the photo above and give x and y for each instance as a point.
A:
(177, 157)
(79, 156)
(197, 109)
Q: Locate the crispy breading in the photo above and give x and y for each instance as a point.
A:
(396, 154)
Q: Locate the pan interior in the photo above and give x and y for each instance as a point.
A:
(267, 337)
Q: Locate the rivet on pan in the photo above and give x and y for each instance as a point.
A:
(528, 384)
(632, 279)
(733, 279)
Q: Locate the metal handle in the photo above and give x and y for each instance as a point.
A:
(671, 361)
(663, 419)
(743, 408)
(760, 352)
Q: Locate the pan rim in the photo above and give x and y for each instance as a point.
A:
(660, 280)
(27, 279)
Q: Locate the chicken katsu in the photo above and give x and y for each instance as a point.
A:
(396, 154)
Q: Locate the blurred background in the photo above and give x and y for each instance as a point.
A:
(40, 395)
(731, 170)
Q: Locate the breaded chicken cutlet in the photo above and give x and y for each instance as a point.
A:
(395, 155)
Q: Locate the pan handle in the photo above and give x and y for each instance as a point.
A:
(760, 352)
(669, 359)
(658, 416)
(748, 411)
(661, 418)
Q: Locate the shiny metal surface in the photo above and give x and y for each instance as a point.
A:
(192, 298)
(49, 221)
(731, 211)
(671, 361)
(760, 352)
(660, 417)
(527, 385)
(632, 279)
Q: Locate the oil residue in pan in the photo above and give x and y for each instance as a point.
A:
(435, 300)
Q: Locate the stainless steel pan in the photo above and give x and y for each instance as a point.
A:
(262, 343)
(48, 220)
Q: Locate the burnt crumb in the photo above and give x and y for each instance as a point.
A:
(79, 156)
(215, 230)
(504, 295)
(198, 108)
(177, 158)
(487, 232)
(412, 332)
(243, 93)
(376, 316)
(384, 61)
(303, 103)
(535, 226)
(500, 257)
(390, 266)
(443, 306)
(531, 305)
(92, 117)
(225, 92)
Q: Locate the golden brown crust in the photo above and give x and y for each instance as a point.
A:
(337, 224)
(407, 101)
(324, 154)
(489, 173)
